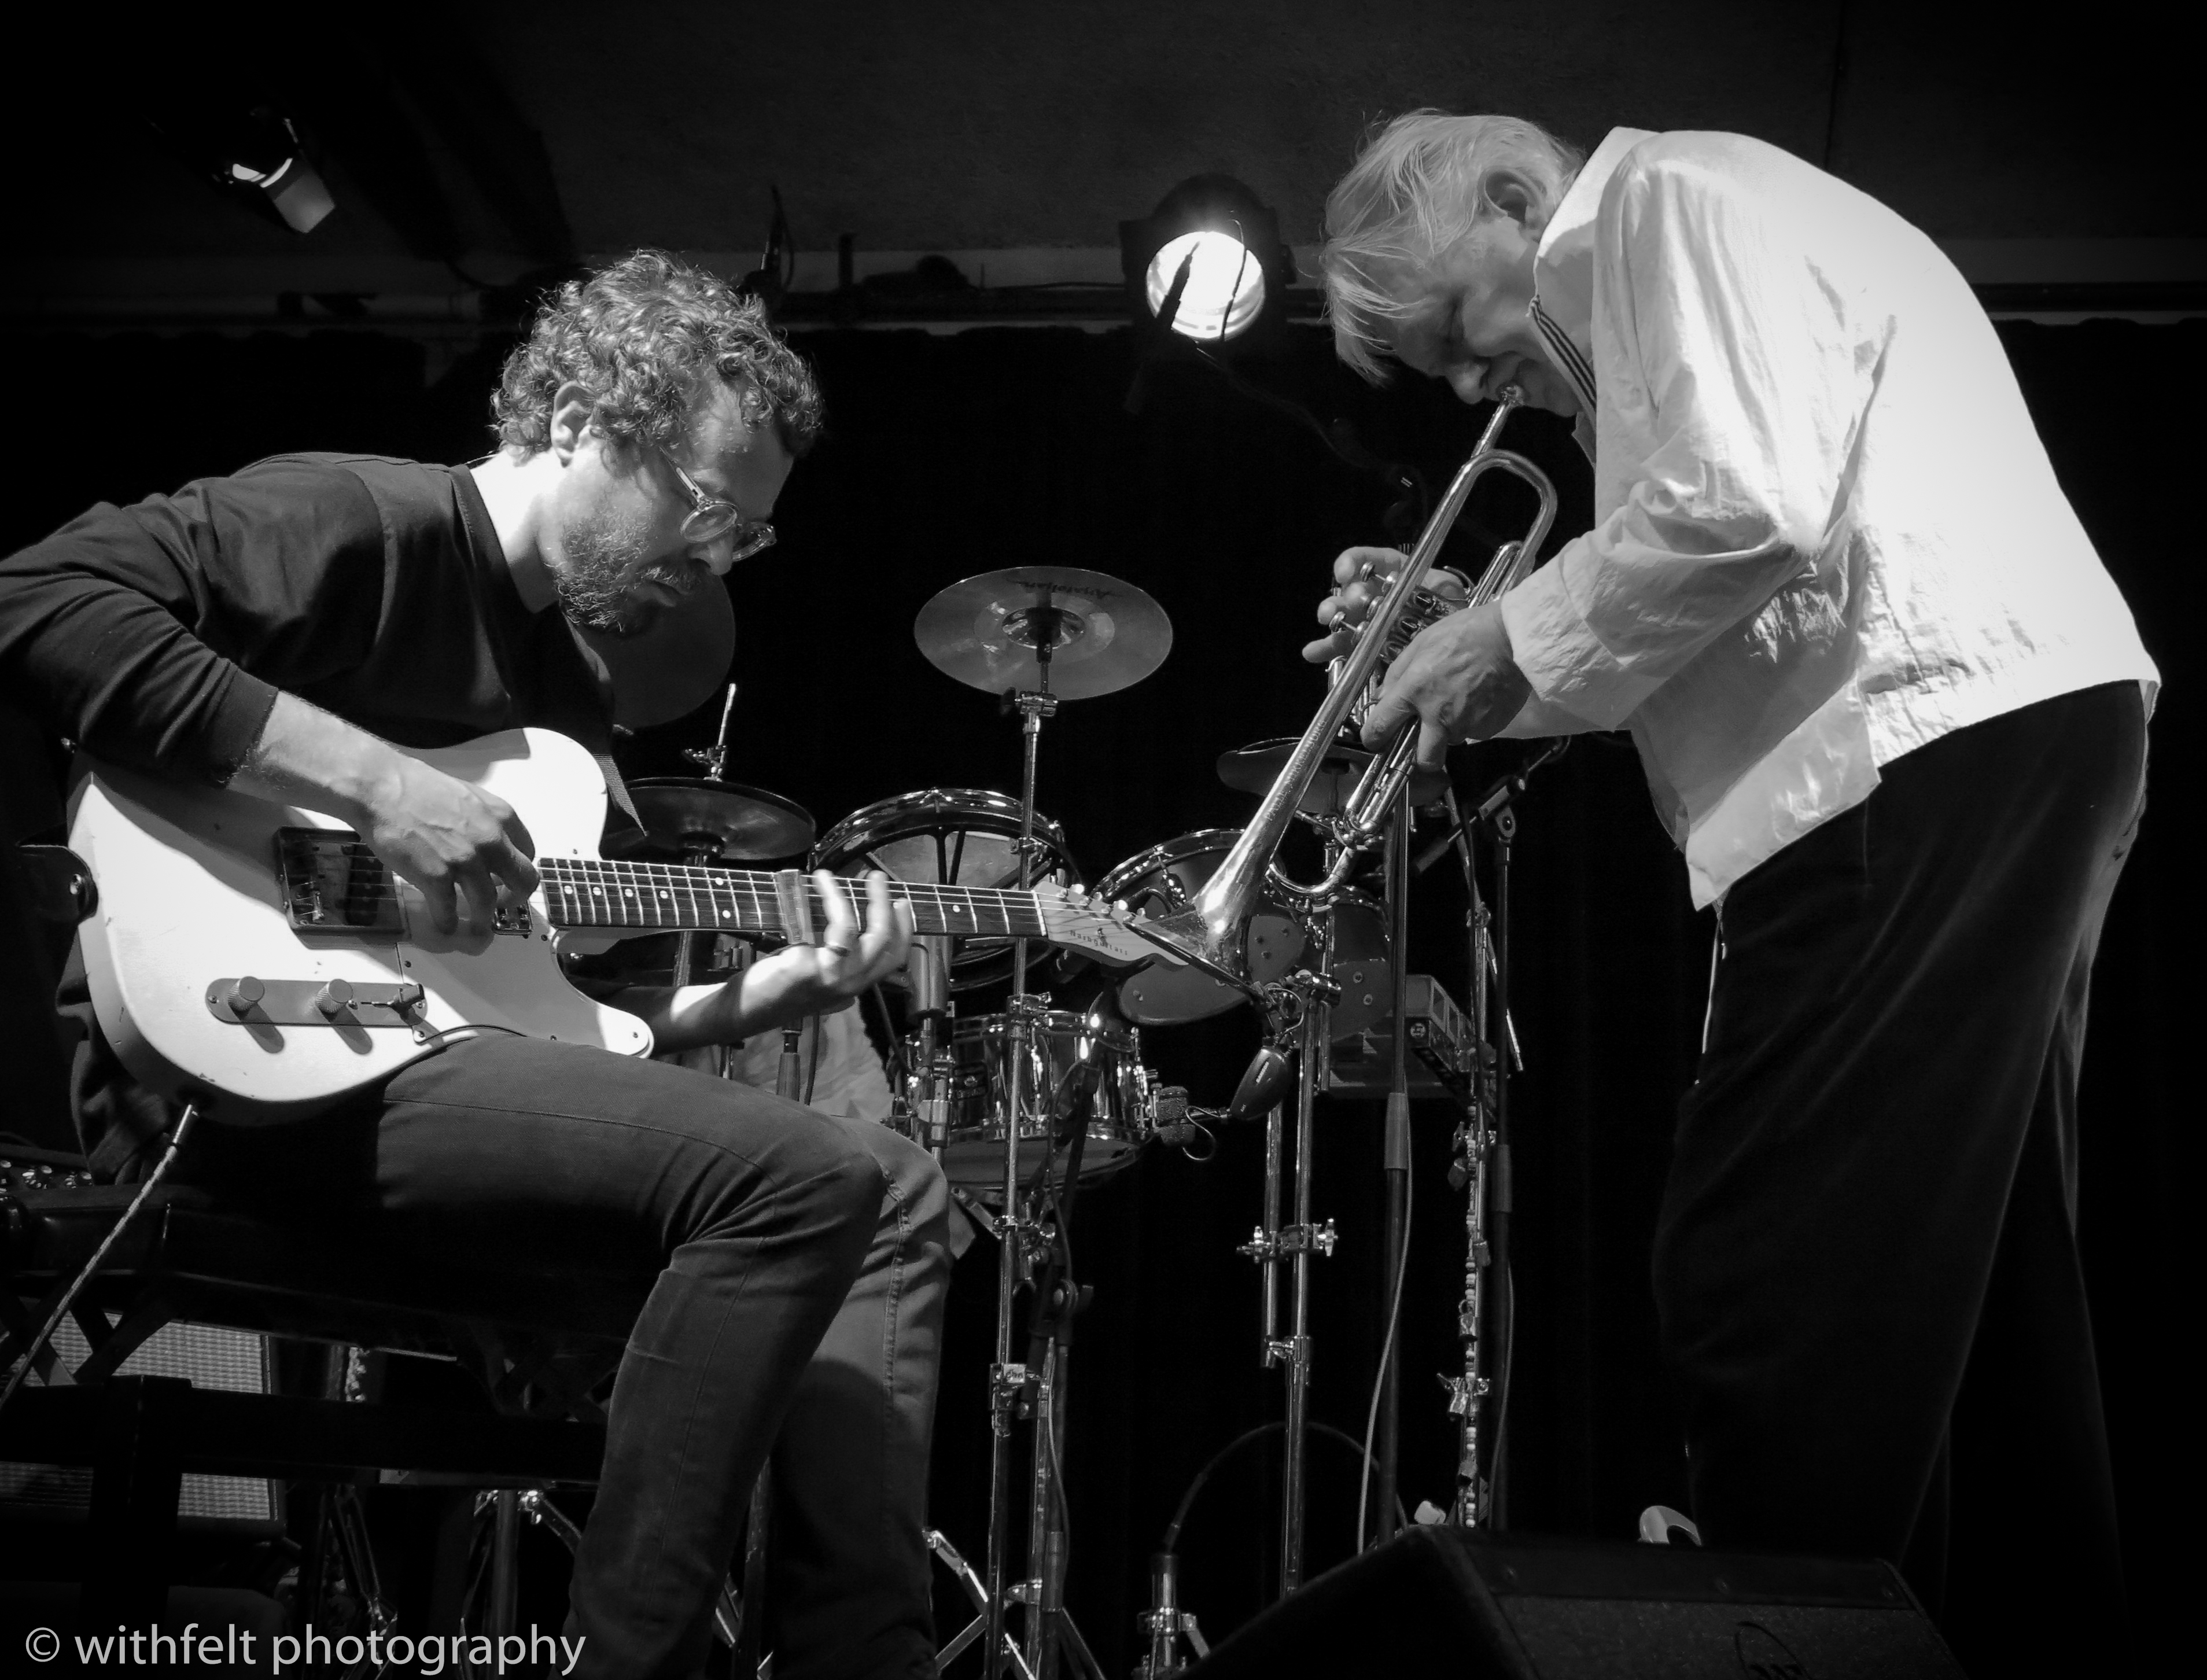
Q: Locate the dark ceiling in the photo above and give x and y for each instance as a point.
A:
(504, 136)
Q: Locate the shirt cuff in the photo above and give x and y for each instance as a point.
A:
(240, 714)
(1561, 657)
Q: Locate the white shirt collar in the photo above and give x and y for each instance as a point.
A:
(1562, 268)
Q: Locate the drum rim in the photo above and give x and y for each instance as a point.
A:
(1071, 1022)
(1004, 816)
(1172, 851)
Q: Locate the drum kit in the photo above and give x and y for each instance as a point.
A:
(1026, 1104)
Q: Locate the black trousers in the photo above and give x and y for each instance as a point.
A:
(1873, 1200)
(795, 1263)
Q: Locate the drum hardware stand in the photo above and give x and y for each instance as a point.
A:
(1012, 1386)
(1305, 999)
(703, 852)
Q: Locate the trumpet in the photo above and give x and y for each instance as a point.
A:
(1213, 930)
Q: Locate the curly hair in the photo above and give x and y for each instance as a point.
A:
(640, 336)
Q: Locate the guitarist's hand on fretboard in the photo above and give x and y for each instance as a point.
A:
(801, 980)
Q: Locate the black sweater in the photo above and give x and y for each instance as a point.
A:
(157, 636)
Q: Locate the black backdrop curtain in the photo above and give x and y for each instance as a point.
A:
(951, 455)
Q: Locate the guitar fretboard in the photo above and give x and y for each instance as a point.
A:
(603, 893)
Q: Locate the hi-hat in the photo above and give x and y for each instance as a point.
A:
(1101, 635)
(1255, 767)
(725, 820)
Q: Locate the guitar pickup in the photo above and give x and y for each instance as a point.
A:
(332, 883)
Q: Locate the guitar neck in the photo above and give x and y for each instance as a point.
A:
(604, 892)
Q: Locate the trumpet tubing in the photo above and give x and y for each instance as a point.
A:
(1213, 930)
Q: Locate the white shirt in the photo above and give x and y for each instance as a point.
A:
(1825, 529)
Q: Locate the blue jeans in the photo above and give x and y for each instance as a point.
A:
(796, 1267)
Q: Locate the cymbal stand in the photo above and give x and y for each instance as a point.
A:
(705, 851)
(1011, 1384)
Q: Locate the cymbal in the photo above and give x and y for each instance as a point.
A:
(673, 666)
(738, 824)
(1103, 635)
(1255, 767)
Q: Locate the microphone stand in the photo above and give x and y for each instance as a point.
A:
(1395, 1163)
(1484, 1314)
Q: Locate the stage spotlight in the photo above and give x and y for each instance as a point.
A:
(251, 152)
(1207, 263)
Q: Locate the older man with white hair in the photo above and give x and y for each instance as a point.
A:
(1893, 710)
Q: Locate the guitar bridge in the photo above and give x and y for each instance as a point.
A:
(332, 883)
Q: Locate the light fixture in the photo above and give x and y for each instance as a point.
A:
(249, 152)
(1207, 264)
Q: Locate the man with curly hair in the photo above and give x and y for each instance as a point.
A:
(282, 632)
(1892, 709)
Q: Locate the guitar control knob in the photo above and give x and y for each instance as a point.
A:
(408, 998)
(335, 995)
(243, 993)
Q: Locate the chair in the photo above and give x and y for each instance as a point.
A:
(186, 1259)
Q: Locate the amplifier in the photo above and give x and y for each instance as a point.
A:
(210, 1355)
(1444, 1049)
(1439, 1601)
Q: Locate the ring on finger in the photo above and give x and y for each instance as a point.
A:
(840, 950)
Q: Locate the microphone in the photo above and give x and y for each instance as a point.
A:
(1269, 1072)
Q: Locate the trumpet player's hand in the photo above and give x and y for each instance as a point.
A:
(1457, 677)
(1354, 596)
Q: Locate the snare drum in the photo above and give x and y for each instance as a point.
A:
(1165, 879)
(1064, 1050)
(947, 836)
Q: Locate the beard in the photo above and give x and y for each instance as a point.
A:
(603, 558)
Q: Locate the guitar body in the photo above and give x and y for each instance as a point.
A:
(192, 899)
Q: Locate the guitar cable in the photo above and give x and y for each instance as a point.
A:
(22, 1372)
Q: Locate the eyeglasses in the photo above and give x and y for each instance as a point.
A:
(711, 518)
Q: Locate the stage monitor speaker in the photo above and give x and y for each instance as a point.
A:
(1441, 1602)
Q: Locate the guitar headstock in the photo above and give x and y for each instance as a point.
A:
(1079, 920)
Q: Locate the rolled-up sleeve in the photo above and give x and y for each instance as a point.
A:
(1749, 385)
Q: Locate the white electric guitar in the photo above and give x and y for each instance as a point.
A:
(259, 959)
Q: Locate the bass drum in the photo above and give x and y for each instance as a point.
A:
(1165, 879)
(948, 836)
(1359, 964)
(1066, 1053)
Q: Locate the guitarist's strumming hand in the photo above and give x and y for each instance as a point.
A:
(452, 839)
(448, 837)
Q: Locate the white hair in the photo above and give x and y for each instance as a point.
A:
(1415, 189)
